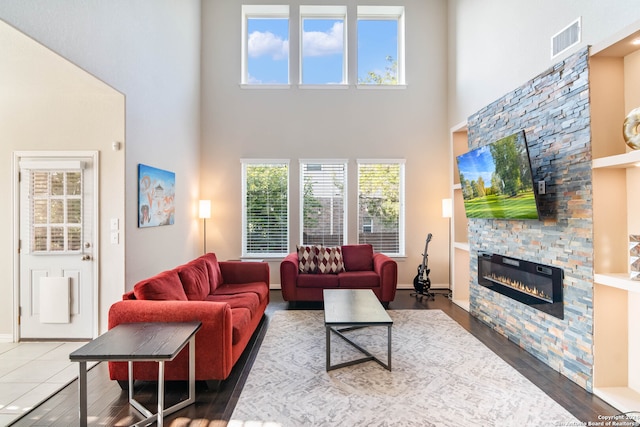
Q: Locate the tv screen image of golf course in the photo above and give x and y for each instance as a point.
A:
(496, 180)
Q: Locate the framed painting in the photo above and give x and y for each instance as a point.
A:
(156, 196)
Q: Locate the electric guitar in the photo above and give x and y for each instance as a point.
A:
(421, 282)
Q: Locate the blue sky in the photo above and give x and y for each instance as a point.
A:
(268, 47)
(477, 163)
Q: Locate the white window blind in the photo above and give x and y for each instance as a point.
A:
(323, 216)
(265, 208)
(381, 205)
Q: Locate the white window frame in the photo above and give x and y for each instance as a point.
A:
(264, 12)
(387, 13)
(401, 197)
(265, 162)
(321, 162)
(324, 12)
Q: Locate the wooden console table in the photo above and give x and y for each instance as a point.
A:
(140, 342)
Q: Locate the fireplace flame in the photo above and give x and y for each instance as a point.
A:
(519, 286)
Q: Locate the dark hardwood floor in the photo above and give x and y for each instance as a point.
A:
(108, 405)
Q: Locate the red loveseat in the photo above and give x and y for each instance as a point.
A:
(229, 298)
(306, 273)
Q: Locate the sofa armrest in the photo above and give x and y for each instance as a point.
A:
(289, 276)
(244, 272)
(214, 351)
(387, 269)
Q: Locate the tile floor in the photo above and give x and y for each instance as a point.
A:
(30, 372)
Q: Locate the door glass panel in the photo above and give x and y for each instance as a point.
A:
(57, 239)
(40, 212)
(57, 212)
(74, 215)
(40, 183)
(39, 239)
(74, 238)
(57, 184)
(74, 187)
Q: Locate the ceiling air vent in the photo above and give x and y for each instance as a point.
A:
(568, 37)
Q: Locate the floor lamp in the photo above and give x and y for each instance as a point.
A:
(204, 212)
(447, 212)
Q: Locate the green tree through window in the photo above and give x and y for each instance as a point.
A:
(266, 209)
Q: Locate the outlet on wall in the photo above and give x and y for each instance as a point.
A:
(542, 188)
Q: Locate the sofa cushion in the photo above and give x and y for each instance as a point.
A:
(307, 259)
(318, 281)
(215, 275)
(330, 260)
(162, 286)
(259, 288)
(247, 300)
(359, 279)
(195, 279)
(358, 257)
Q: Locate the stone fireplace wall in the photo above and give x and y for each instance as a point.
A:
(553, 110)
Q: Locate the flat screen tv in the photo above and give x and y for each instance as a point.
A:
(496, 180)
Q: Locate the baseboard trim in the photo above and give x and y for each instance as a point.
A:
(404, 286)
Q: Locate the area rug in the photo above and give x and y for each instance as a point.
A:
(441, 376)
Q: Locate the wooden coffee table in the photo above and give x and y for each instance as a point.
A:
(349, 309)
(129, 342)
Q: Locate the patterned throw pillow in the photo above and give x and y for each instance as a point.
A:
(307, 259)
(330, 260)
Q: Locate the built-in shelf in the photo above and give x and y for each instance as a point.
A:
(459, 254)
(617, 280)
(621, 161)
(615, 179)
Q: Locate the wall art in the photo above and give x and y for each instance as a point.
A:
(156, 196)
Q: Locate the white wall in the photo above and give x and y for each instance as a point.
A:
(496, 45)
(149, 50)
(350, 124)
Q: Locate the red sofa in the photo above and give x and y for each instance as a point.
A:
(229, 298)
(305, 273)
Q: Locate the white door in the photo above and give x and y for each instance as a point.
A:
(57, 241)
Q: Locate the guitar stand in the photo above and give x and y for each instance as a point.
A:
(419, 295)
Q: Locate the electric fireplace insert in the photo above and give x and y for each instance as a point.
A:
(536, 285)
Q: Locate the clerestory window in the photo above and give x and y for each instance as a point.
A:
(381, 45)
(265, 45)
(323, 50)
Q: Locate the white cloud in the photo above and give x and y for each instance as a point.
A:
(267, 43)
(317, 43)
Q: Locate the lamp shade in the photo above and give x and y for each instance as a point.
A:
(447, 208)
(204, 210)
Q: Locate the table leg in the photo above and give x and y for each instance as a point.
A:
(192, 369)
(161, 393)
(130, 379)
(389, 348)
(82, 390)
(328, 347)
